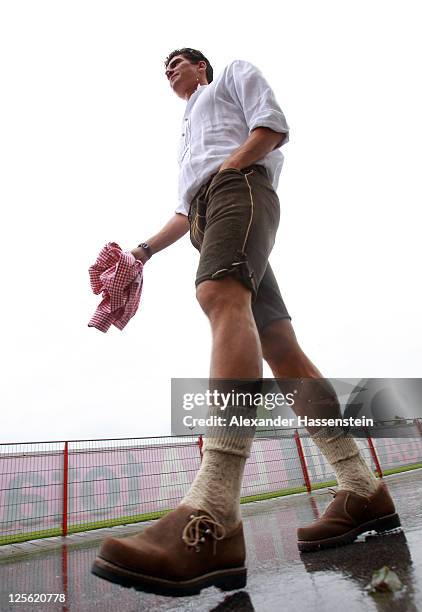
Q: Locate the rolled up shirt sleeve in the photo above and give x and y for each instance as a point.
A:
(256, 98)
(181, 209)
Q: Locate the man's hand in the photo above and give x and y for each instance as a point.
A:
(228, 164)
(259, 143)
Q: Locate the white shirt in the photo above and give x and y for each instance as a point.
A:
(218, 119)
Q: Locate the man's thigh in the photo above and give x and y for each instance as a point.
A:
(234, 226)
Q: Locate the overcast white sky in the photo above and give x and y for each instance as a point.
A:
(88, 142)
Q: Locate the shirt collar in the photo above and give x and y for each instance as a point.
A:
(194, 97)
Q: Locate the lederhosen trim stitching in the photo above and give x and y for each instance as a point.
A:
(252, 210)
(195, 227)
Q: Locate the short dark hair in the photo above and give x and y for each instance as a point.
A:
(194, 56)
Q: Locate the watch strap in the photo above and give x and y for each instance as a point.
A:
(147, 248)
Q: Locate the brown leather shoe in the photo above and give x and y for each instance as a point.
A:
(348, 516)
(182, 553)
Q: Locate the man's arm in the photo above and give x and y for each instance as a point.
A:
(172, 231)
(259, 143)
(267, 124)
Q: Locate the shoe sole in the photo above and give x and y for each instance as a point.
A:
(385, 523)
(226, 580)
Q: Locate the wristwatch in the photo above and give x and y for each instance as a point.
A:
(147, 249)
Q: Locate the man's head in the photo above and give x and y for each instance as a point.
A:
(186, 69)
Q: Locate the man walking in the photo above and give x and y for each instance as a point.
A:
(230, 162)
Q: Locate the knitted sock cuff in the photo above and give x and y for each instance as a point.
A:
(336, 447)
(233, 434)
(227, 446)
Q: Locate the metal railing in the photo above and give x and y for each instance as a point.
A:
(61, 487)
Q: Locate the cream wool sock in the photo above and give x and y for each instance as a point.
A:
(217, 485)
(216, 488)
(318, 398)
(351, 470)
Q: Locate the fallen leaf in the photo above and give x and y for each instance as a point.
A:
(384, 580)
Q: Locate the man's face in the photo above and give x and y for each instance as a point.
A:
(183, 76)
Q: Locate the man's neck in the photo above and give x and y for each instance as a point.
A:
(200, 84)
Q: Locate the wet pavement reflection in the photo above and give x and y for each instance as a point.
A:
(279, 577)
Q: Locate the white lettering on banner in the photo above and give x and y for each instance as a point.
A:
(109, 483)
(174, 478)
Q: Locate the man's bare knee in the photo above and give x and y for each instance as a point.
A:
(214, 295)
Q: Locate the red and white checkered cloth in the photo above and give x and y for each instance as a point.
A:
(119, 277)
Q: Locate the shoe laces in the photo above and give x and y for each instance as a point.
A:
(330, 490)
(198, 527)
(333, 493)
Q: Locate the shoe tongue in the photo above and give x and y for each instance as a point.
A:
(336, 503)
(200, 512)
(191, 511)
